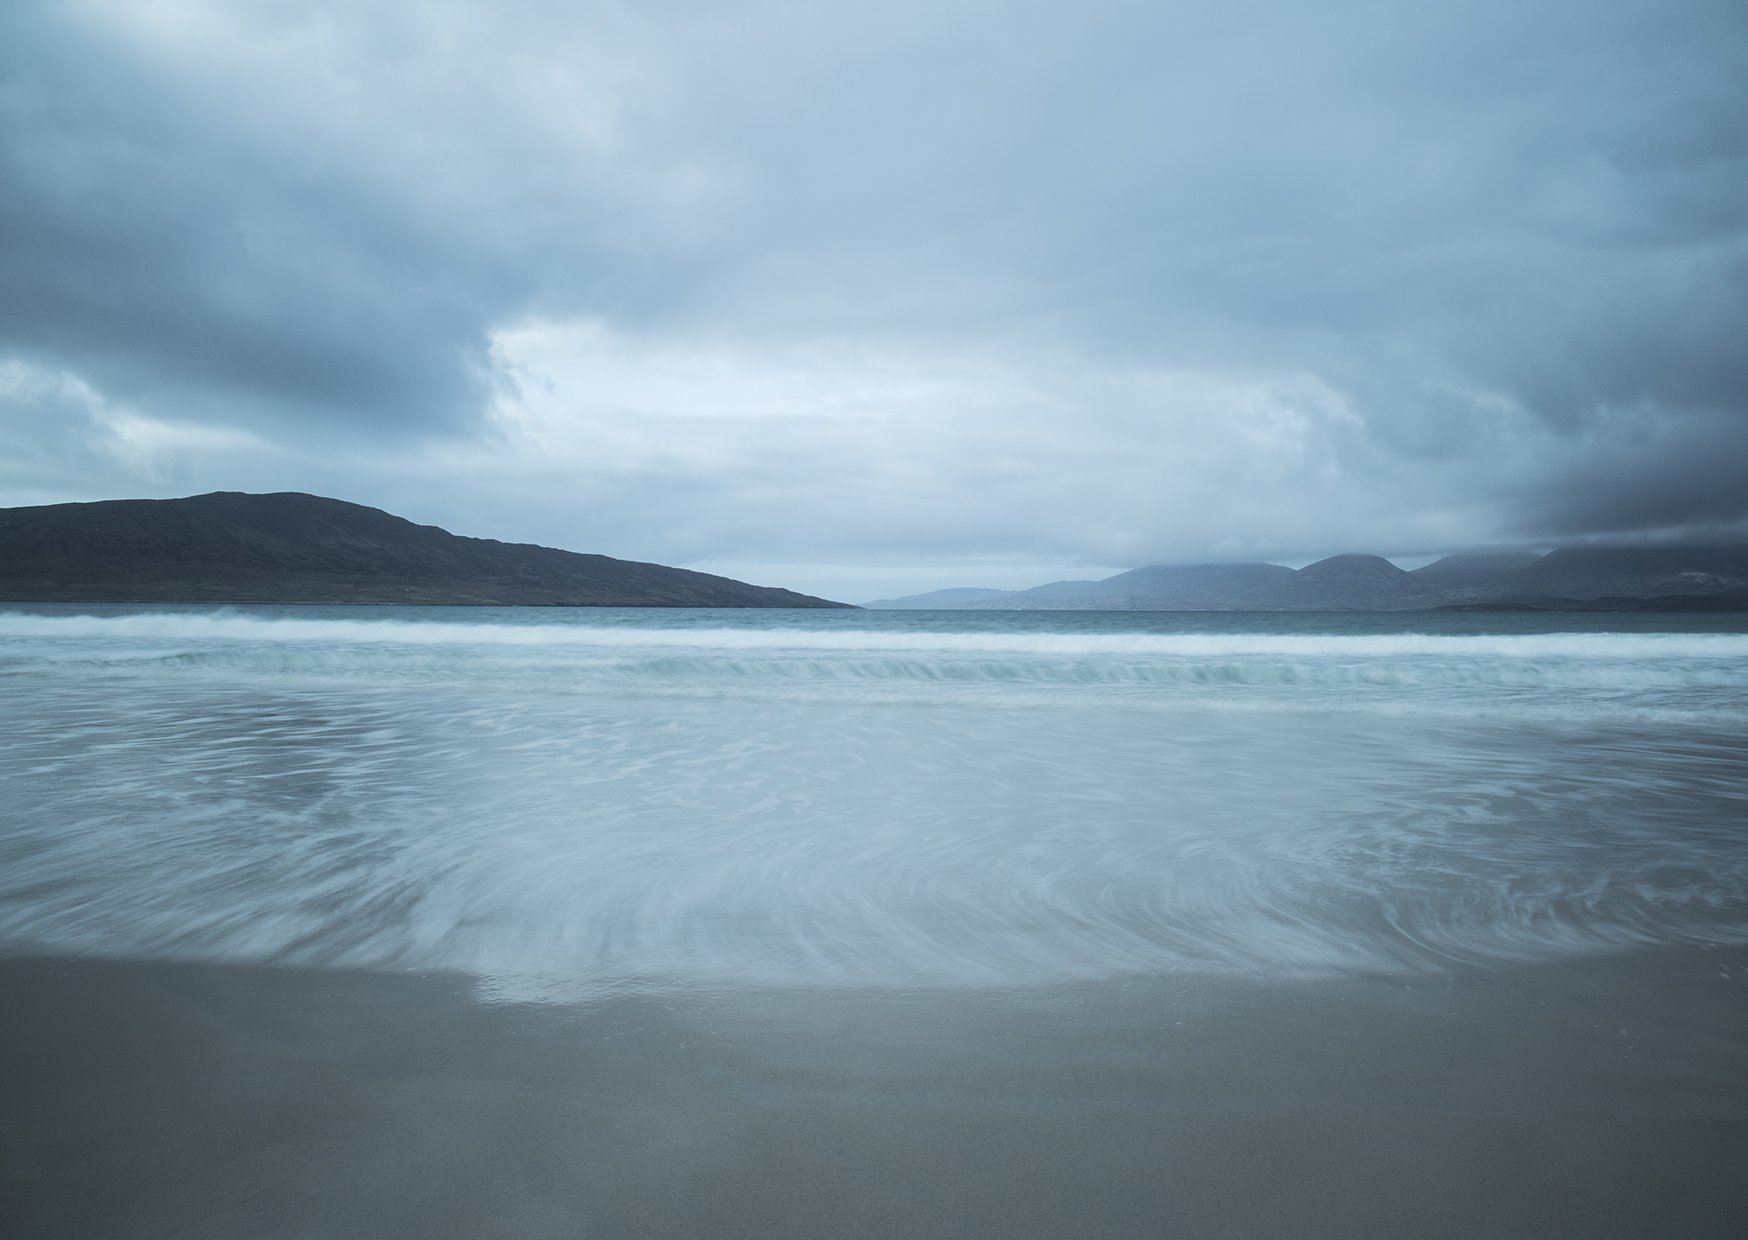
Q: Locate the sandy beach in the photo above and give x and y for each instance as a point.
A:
(1603, 1097)
(405, 927)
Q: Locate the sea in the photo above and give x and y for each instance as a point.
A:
(564, 804)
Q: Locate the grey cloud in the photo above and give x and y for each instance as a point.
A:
(1677, 475)
(193, 278)
(1543, 204)
(1513, 237)
(224, 258)
(1550, 199)
(54, 438)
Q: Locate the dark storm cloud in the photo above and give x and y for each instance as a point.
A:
(196, 247)
(1436, 208)
(1449, 272)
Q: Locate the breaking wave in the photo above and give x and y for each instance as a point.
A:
(224, 626)
(1652, 676)
(564, 805)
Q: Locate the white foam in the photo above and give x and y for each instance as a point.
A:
(576, 801)
(223, 626)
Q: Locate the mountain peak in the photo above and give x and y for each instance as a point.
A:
(1352, 565)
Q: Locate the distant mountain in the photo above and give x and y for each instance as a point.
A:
(1194, 586)
(1189, 587)
(936, 600)
(1051, 596)
(295, 548)
(1602, 578)
(1345, 583)
(1633, 572)
(1473, 568)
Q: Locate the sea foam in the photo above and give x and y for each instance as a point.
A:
(566, 805)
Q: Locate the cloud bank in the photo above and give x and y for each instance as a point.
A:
(959, 284)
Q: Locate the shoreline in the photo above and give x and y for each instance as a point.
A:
(1602, 1096)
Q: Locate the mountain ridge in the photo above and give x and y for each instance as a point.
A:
(291, 547)
(1696, 577)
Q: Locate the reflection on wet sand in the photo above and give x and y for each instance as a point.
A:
(1602, 1098)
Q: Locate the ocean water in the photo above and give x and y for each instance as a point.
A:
(565, 803)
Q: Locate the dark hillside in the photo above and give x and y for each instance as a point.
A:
(296, 548)
(1345, 583)
(1634, 572)
(1473, 568)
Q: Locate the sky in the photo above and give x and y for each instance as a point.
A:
(866, 299)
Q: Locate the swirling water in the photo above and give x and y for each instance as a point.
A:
(562, 802)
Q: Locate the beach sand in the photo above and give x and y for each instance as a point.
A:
(1596, 1098)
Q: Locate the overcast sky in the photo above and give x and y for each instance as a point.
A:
(868, 298)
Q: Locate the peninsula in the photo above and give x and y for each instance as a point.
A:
(288, 547)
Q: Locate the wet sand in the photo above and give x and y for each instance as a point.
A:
(1599, 1098)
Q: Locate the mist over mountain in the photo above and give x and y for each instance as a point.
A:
(956, 596)
(1473, 568)
(290, 547)
(1345, 583)
(1635, 572)
(1191, 587)
(1653, 578)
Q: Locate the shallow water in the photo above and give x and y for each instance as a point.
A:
(566, 802)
